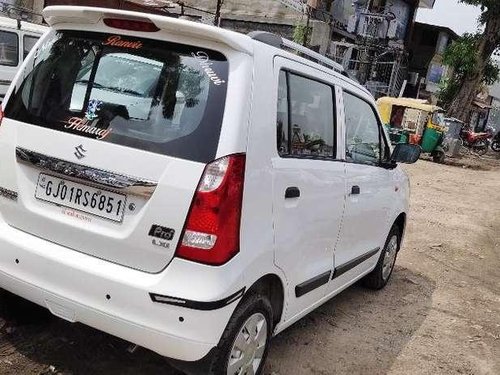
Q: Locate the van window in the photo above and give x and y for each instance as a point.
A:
(306, 121)
(364, 141)
(28, 44)
(156, 96)
(9, 48)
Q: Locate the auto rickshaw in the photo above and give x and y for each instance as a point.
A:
(414, 121)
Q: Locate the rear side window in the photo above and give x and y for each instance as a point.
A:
(28, 44)
(306, 120)
(9, 48)
(156, 96)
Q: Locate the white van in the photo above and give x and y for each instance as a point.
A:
(17, 38)
(189, 189)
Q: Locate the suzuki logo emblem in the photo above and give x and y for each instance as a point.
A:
(80, 152)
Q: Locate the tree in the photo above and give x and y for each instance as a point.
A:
(461, 58)
(485, 44)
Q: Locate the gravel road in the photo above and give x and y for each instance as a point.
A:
(440, 314)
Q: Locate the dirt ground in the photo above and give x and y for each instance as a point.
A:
(440, 314)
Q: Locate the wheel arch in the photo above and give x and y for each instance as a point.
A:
(271, 286)
(400, 222)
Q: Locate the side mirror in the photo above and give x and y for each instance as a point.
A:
(406, 153)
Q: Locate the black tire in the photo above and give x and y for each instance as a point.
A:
(480, 148)
(375, 279)
(254, 303)
(439, 157)
(495, 146)
(216, 362)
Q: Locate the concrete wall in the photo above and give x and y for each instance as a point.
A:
(255, 10)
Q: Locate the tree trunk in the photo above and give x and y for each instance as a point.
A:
(488, 42)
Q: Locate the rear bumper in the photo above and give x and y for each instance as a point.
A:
(115, 299)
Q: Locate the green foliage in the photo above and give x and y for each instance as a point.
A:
(461, 57)
(490, 8)
(300, 32)
(491, 73)
(448, 90)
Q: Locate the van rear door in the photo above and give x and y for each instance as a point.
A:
(105, 139)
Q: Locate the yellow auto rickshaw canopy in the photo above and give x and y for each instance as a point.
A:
(385, 105)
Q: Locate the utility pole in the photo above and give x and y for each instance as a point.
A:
(308, 20)
(217, 19)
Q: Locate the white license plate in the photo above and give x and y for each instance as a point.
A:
(80, 197)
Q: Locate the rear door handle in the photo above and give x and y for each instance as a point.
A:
(355, 190)
(292, 192)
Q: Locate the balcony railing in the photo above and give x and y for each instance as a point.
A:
(376, 26)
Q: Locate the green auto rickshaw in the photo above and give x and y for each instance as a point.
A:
(414, 121)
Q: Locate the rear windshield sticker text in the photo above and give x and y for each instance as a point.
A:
(117, 41)
(84, 125)
(203, 60)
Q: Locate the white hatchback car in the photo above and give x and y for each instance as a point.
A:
(189, 189)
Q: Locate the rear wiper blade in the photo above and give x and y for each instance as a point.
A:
(94, 84)
(110, 88)
(128, 91)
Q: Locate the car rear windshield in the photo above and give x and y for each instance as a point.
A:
(156, 96)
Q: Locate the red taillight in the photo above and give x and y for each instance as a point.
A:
(1, 115)
(132, 25)
(212, 231)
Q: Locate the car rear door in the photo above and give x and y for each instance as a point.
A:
(104, 141)
(308, 183)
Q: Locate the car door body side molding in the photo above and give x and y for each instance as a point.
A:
(311, 284)
(340, 270)
(317, 281)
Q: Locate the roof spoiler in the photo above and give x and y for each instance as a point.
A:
(55, 15)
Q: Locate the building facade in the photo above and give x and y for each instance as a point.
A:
(426, 68)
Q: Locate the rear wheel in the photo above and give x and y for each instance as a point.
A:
(495, 146)
(380, 276)
(244, 345)
(480, 148)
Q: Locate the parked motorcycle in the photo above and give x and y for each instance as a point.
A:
(477, 143)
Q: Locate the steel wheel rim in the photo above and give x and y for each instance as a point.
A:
(248, 347)
(390, 257)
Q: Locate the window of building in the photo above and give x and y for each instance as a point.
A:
(306, 117)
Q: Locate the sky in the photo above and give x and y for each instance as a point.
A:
(459, 17)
